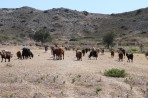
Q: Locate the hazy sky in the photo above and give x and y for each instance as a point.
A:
(94, 6)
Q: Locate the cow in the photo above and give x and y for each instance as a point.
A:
(19, 55)
(57, 52)
(83, 52)
(129, 57)
(60, 53)
(102, 51)
(5, 55)
(112, 53)
(79, 55)
(86, 50)
(120, 55)
(146, 55)
(26, 53)
(123, 51)
(46, 48)
(93, 53)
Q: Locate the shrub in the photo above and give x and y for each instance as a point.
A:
(42, 36)
(138, 12)
(85, 13)
(73, 39)
(114, 72)
(98, 89)
(46, 11)
(108, 39)
(133, 50)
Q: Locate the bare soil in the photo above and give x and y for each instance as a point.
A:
(43, 77)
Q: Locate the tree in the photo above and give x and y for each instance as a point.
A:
(108, 39)
(42, 36)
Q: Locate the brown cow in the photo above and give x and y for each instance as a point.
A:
(19, 55)
(112, 53)
(5, 55)
(120, 54)
(123, 51)
(79, 55)
(57, 52)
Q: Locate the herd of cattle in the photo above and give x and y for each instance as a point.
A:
(58, 53)
(26, 53)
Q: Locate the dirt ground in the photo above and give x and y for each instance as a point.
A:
(43, 77)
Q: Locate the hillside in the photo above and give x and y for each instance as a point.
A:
(21, 23)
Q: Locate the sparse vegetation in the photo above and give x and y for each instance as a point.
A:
(98, 89)
(114, 72)
(133, 50)
(68, 22)
(43, 77)
(73, 39)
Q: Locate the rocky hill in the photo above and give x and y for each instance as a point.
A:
(22, 23)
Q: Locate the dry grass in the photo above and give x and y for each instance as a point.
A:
(42, 77)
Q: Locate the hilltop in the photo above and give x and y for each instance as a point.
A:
(21, 23)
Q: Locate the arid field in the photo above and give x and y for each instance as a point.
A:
(43, 77)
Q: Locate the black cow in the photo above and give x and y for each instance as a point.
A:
(129, 57)
(93, 53)
(83, 52)
(146, 54)
(26, 53)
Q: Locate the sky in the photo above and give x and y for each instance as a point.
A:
(93, 6)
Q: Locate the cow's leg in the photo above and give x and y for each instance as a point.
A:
(63, 56)
(8, 59)
(57, 57)
(53, 57)
(2, 60)
(131, 60)
(5, 59)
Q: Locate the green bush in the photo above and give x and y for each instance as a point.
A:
(133, 50)
(42, 36)
(73, 39)
(114, 72)
(98, 89)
